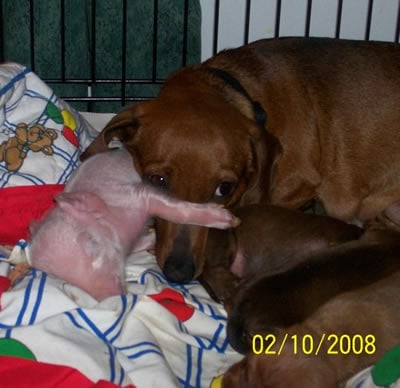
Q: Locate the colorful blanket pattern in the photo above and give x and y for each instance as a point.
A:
(41, 136)
(158, 334)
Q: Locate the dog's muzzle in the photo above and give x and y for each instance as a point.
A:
(179, 266)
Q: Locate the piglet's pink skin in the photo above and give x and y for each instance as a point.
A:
(101, 217)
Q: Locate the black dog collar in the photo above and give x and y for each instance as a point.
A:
(260, 115)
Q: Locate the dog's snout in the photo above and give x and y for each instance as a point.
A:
(179, 269)
(180, 264)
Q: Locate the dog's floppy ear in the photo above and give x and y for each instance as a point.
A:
(266, 150)
(121, 127)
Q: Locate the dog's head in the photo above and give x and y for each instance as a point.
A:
(260, 306)
(288, 369)
(198, 147)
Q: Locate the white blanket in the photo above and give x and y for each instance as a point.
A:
(41, 136)
(158, 335)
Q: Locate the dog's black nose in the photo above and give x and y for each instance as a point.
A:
(179, 269)
(179, 265)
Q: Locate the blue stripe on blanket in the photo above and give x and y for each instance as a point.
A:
(209, 344)
(115, 325)
(100, 335)
(122, 377)
(182, 327)
(199, 367)
(15, 79)
(138, 345)
(112, 362)
(130, 352)
(146, 351)
(118, 323)
(193, 376)
(73, 320)
(89, 323)
(152, 273)
(189, 363)
(39, 297)
(28, 296)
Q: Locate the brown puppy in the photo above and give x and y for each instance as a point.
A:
(272, 239)
(350, 290)
(359, 327)
(333, 106)
(269, 302)
(269, 239)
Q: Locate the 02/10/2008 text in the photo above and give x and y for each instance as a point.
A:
(306, 344)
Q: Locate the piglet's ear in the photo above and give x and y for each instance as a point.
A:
(82, 204)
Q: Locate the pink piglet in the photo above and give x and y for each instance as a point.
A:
(101, 217)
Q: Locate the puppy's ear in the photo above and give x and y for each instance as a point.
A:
(266, 150)
(122, 127)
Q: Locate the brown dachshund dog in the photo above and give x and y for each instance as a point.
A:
(268, 240)
(284, 299)
(359, 327)
(272, 239)
(281, 121)
(351, 289)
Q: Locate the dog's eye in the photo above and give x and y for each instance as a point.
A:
(224, 189)
(157, 181)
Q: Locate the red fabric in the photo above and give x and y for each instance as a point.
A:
(20, 205)
(21, 373)
(175, 303)
(5, 284)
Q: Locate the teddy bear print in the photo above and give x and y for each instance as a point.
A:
(37, 138)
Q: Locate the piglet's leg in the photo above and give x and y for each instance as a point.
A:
(209, 214)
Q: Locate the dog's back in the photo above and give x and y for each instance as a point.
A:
(331, 133)
(333, 105)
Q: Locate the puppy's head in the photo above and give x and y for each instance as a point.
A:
(266, 304)
(249, 313)
(197, 147)
(280, 371)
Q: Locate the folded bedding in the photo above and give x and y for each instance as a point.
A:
(41, 137)
(158, 334)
